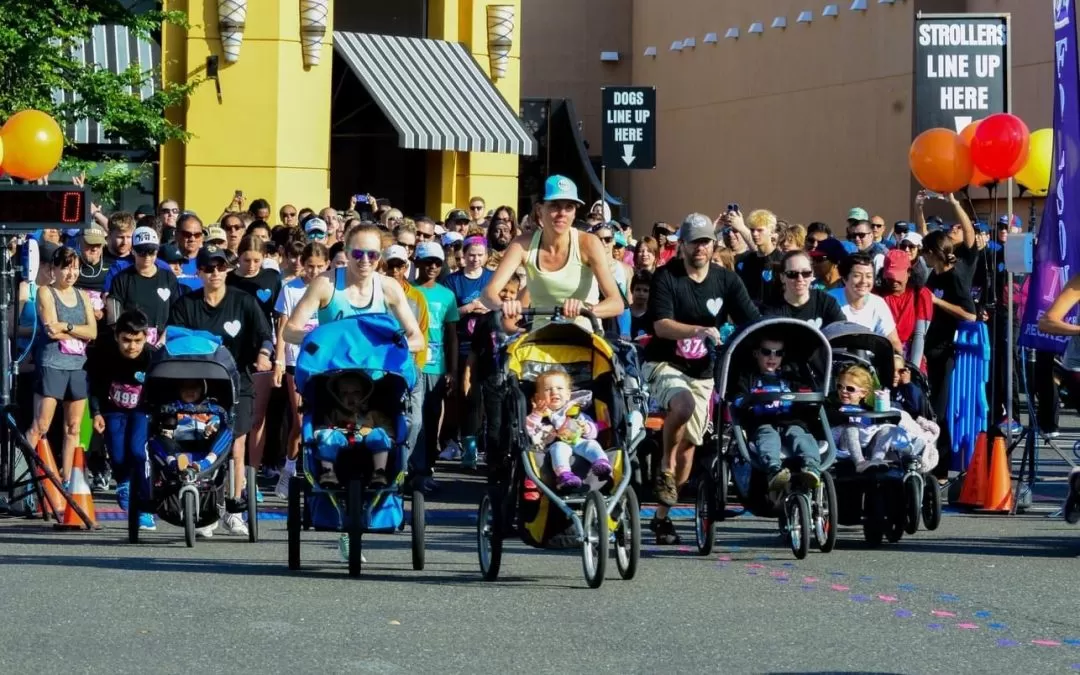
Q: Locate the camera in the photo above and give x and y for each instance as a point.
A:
(732, 207)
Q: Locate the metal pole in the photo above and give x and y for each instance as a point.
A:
(603, 183)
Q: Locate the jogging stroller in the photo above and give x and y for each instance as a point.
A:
(803, 514)
(191, 497)
(891, 502)
(372, 348)
(522, 500)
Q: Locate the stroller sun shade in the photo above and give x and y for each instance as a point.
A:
(804, 347)
(854, 342)
(192, 355)
(373, 343)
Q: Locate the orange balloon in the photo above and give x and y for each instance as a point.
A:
(940, 160)
(978, 178)
(33, 144)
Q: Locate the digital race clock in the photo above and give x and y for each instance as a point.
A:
(31, 207)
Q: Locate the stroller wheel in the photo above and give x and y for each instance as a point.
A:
(355, 529)
(705, 514)
(913, 497)
(873, 518)
(133, 514)
(931, 503)
(418, 530)
(628, 536)
(293, 521)
(489, 538)
(799, 532)
(827, 514)
(594, 544)
(189, 518)
(252, 504)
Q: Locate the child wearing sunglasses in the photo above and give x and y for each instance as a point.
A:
(910, 441)
(772, 427)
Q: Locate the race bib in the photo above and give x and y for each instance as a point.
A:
(73, 346)
(690, 348)
(152, 335)
(96, 301)
(125, 395)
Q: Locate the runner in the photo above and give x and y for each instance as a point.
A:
(689, 300)
(799, 300)
(144, 286)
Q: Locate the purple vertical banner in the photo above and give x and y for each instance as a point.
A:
(1057, 253)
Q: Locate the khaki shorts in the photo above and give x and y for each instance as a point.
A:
(665, 382)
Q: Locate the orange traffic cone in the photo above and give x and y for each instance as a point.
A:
(80, 498)
(973, 491)
(999, 496)
(55, 498)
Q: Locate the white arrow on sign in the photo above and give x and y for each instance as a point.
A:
(962, 122)
(628, 153)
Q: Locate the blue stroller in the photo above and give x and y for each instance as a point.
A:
(190, 497)
(370, 349)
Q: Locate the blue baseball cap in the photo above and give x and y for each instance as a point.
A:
(620, 239)
(980, 226)
(561, 188)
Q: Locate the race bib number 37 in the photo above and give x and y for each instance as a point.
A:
(690, 348)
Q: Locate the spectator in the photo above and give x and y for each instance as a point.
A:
(260, 229)
(861, 234)
(646, 255)
(169, 211)
(758, 268)
(476, 211)
(216, 236)
(316, 229)
(816, 232)
(457, 221)
(912, 308)
(289, 216)
(666, 240)
(961, 234)
(260, 208)
(92, 270)
(233, 226)
(859, 304)
(189, 238)
(911, 244)
(791, 238)
(799, 300)
(826, 257)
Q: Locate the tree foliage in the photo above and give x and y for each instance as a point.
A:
(36, 42)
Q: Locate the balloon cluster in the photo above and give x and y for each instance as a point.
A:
(31, 144)
(984, 153)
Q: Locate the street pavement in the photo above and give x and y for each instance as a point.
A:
(983, 594)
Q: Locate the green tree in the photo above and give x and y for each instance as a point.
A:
(36, 41)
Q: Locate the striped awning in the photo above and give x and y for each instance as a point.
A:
(114, 48)
(434, 93)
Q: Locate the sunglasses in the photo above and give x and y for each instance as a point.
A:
(858, 235)
(607, 240)
(407, 247)
(770, 352)
(908, 246)
(173, 211)
(147, 252)
(476, 208)
(210, 269)
(849, 389)
(234, 228)
(424, 236)
(316, 235)
(190, 235)
(878, 226)
(288, 214)
(795, 274)
(364, 254)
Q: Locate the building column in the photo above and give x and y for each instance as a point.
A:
(268, 133)
(454, 177)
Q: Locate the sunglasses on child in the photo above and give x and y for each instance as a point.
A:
(849, 389)
(771, 352)
(364, 254)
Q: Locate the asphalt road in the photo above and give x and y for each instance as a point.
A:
(981, 594)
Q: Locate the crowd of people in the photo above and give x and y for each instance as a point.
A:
(262, 287)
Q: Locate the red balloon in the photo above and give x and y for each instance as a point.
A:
(999, 148)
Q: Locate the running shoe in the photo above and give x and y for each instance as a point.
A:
(343, 549)
(778, 480)
(233, 523)
(665, 532)
(123, 495)
(1011, 425)
(282, 488)
(452, 451)
(468, 456)
(207, 531)
(667, 492)
(147, 522)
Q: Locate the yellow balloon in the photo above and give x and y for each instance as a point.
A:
(1, 155)
(34, 144)
(1035, 175)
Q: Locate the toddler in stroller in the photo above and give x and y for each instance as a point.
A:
(187, 426)
(776, 429)
(558, 424)
(355, 425)
(911, 443)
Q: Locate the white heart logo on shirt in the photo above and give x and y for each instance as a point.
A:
(164, 294)
(232, 327)
(815, 322)
(715, 305)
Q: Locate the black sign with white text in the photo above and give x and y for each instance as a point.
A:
(961, 72)
(629, 127)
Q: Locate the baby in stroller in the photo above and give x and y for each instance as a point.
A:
(187, 426)
(777, 428)
(558, 424)
(354, 424)
(911, 442)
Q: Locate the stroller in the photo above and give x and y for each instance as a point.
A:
(522, 500)
(889, 503)
(190, 498)
(372, 347)
(802, 513)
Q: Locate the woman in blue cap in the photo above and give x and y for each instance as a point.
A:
(560, 262)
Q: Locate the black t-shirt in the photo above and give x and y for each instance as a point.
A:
(990, 278)
(759, 274)
(92, 277)
(967, 258)
(674, 295)
(820, 310)
(640, 325)
(116, 382)
(951, 287)
(154, 295)
(237, 320)
(265, 287)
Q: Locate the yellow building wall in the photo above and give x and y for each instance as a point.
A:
(454, 177)
(263, 136)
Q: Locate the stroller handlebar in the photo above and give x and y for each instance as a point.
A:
(529, 313)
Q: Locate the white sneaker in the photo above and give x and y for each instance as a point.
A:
(234, 524)
(452, 451)
(206, 532)
(282, 489)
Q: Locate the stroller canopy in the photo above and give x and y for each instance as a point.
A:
(804, 345)
(373, 343)
(582, 354)
(856, 343)
(192, 355)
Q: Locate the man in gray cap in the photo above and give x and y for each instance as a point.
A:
(690, 298)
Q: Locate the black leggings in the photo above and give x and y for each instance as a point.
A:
(939, 367)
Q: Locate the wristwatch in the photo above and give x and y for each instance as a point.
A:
(70, 327)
